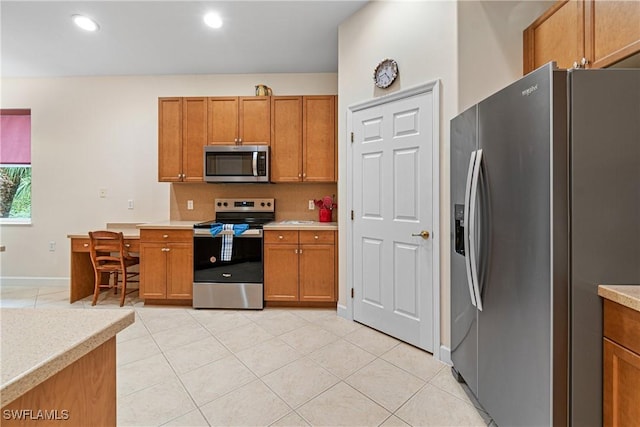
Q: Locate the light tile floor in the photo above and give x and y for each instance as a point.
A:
(179, 366)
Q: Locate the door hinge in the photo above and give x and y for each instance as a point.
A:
(351, 136)
(351, 214)
(351, 292)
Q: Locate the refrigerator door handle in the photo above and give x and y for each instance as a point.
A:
(472, 229)
(467, 199)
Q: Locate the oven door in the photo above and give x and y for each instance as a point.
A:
(235, 283)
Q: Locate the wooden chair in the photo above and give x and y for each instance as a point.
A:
(110, 256)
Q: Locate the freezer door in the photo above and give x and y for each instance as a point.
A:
(605, 190)
(515, 327)
(464, 339)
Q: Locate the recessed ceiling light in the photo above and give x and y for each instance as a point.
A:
(85, 22)
(213, 20)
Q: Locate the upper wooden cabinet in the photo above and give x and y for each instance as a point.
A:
(239, 120)
(182, 134)
(303, 138)
(587, 33)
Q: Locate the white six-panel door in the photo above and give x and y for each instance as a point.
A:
(392, 178)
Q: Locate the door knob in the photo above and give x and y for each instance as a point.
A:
(424, 234)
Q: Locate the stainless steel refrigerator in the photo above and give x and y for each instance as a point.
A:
(545, 205)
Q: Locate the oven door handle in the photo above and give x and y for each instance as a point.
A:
(255, 163)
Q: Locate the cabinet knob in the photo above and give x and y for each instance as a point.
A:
(86, 245)
(295, 251)
(165, 236)
(299, 175)
(127, 245)
(304, 175)
(316, 237)
(281, 237)
(300, 252)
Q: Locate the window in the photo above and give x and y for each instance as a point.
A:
(15, 166)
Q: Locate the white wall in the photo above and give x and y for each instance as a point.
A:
(473, 48)
(101, 132)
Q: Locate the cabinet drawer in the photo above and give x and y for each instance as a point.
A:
(80, 245)
(132, 245)
(281, 236)
(622, 325)
(311, 236)
(167, 235)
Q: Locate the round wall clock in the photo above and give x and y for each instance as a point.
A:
(385, 73)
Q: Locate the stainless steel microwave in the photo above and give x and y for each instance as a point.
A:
(236, 163)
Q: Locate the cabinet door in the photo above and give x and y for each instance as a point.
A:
(317, 273)
(194, 137)
(254, 120)
(180, 271)
(281, 272)
(558, 35)
(621, 386)
(286, 138)
(612, 31)
(319, 139)
(153, 268)
(223, 120)
(169, 139)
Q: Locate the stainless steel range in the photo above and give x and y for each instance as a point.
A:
(227, 255)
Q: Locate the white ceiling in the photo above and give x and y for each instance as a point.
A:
(38, 38)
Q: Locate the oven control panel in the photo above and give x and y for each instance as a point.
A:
(245, 205)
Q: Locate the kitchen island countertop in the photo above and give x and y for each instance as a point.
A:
(39, 343)
(626, 295)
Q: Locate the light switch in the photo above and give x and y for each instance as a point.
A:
(130, 204)
(312, 205)
(103, 193)
(190, 205)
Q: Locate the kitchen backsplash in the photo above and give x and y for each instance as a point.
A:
(292, 200)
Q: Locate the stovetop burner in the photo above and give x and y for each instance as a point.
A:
(255, 212)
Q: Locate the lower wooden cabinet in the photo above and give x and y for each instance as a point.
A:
(621, 360)
(299, 266)
(166, 264)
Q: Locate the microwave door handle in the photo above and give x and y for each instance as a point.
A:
(255, 163)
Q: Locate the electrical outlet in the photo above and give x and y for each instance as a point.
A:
(52, 246)
(312, 205)
(190, 205)
(103, 193)
(130, 204)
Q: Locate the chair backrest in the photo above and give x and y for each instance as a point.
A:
(107, 249)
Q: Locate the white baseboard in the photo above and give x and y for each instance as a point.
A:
(343, 312)
(34, 281)
(445, 355)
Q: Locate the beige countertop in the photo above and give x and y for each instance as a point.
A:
(627, 295)
(132, 230)
(301, 225)
(39, 343)
(167, 224)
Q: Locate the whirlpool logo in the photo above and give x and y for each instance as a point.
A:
(530, 90)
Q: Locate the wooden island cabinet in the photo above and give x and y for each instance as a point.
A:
(583, 33)
(621, 361)
(300, 266)
(166, 264)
